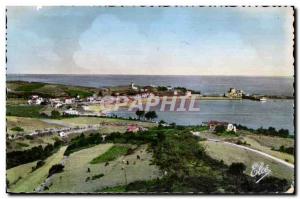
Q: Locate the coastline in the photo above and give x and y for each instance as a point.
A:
(197, 96)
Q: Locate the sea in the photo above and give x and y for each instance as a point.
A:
(254, 114)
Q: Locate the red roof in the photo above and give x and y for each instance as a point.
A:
(212, 122)
(133, 128)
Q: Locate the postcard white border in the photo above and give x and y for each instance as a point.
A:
(3, 5)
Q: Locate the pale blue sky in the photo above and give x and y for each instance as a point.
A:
(166, 41)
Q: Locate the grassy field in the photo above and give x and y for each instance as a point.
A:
(259, 142)
(28, 124)
(97, 120)
(230, 154)
(76, 92)
(117, 189)
(29, 87)
(111, 154)
(24, 111)
(262, 147)
(16, 101)
(17, 173)
(31, 180)
(107, 124)
(270, 141)
(54, 90)
(75, 175)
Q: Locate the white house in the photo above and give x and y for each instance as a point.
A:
(69, 100)
(55, 102)
(86, 108)
(231, 127)
(71, 112)
(196, 133)
(35, 100)
(234, 93)
(169, 88)
(62, 134)
(39, 100)
(34, 96)
(165, 124)
(58, 105)
(133, 86)
(188, 93)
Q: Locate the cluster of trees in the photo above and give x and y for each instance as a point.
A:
(16, 158)
(289, 150)
(162, 88)
(269, 131)
(83, 141)
(150, 115)
(220, 129)
(273, 132)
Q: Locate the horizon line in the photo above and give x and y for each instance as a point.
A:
(76, 74)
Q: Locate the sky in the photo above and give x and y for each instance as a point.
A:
(246, 41)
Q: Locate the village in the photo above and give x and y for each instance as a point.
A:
(108, 99)
(81, 106)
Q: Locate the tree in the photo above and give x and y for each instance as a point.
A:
(140, 113)
(55, 114)
(57, 168)
(182, 89)
(220, 129)
(150, 115)
(237, 168)
(283, 132)
(162, 88)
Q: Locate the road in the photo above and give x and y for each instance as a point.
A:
(66, 130)
(255, 151)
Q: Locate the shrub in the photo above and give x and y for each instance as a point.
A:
(237, 168)
(220, 129)
(97, 176)
(17, 128)
(39, 164)
(283, 149)
(55, 114)
(57, 168)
